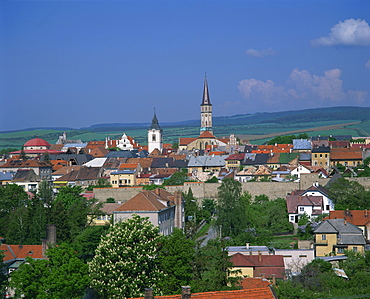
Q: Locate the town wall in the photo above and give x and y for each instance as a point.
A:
(209, 190)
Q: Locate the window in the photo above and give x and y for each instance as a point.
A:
(354, 249)
(153, 137)
(340, 250)
(327, 207)
(323, 237)
(301, 209)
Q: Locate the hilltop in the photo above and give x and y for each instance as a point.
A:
(257, 127)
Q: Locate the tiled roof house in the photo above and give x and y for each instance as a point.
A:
(257, 265)
(163, 208)
(333, 236)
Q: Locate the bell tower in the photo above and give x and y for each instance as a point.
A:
(155, 135)
(206, 110)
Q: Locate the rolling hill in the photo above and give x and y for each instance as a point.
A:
(257, 127)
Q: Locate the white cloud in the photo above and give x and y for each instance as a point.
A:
(349, 32)
(302, 89)
(367, 64)
(261, 53)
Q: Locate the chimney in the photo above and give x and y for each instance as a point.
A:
(273, 279)
(247, 245)
(263, 276)
(259, 256)
(148, 293)
(185, 292)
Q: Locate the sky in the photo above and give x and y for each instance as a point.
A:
(80, 63)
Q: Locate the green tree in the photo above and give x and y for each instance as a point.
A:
(63, 275)
(213, 268)
(349, 195)
(3, 277)
(212, 180)
(231, 209)
(87, 242)
(178, 178)
(126, 260)
(152, 187)
(176, 256)
(12, 197)
(72, 213)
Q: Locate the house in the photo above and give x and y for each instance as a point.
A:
(164, 209)
(299, 205)
(289, 159)
(27, 179)
(85, 176)
(64, 170)
(42, 169)
(206, 163)
(72, 159)
(107, 209)
(295, 259)
(360, 218)
(302, 145)
(317, 190)
(252, 159)
(281, 174)
(320, 156)
(333, 236)
(248, 250)
(234, 161)
(297, 171)
(15, 255)
(255, 265)
(261, 292)
(319, 141)
(346, 156)
(6, 178)
(123, 178)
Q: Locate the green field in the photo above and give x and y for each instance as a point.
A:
(255, 127)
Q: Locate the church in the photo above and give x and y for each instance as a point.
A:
(206, 140)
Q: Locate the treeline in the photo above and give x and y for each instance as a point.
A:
(241, 219)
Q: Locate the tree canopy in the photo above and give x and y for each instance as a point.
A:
(63, 275)
(126, 261)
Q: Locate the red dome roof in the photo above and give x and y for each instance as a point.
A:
(37, 142)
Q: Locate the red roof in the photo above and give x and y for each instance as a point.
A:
(257, 293)
(13, 252)
(37, 142)
(206, 134)
(266, 264)
(356, 217)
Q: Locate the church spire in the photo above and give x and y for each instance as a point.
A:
(206, 110)
(155, 124)
(206, 99)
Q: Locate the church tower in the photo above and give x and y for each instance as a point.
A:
(206, 110)
(155, 135)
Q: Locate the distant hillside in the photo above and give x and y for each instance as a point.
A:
(257, 127)
(285, 117)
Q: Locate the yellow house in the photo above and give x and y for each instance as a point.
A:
(123, 178)
(334, 236)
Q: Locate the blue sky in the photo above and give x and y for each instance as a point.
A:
(79, 63)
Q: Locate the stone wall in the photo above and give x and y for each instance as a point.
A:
(202, 190)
